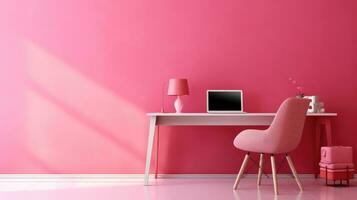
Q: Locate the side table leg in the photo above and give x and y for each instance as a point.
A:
(328, 130)
(317, 146)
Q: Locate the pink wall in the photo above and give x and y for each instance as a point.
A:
(77, 77)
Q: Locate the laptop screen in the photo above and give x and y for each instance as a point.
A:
(224, 101)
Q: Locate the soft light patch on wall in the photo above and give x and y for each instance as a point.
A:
(73, 121)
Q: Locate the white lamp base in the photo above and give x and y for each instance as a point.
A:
(178, 104)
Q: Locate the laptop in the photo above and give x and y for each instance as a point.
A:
(225, 101)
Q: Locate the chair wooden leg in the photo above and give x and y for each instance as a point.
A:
(241, 171)
(261, 162)
(273, 169)
(293, 170)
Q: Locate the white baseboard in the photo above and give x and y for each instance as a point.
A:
(73, 177)
(228, 176)
(126, 178)
(133, 176)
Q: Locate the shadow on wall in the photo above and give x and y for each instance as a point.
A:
(32, 164)
(75, 125)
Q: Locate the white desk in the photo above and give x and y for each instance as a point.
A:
(244, 119)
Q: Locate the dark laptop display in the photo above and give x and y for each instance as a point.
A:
(224, 101)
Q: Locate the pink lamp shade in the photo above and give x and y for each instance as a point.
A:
(178, 87)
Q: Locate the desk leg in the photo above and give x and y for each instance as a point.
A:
(157, 151)
(149, 148)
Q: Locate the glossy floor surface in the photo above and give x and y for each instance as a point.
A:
(171, 189)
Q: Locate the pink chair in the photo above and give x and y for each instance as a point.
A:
(281, 137)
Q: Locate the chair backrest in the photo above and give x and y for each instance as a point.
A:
(287, 126)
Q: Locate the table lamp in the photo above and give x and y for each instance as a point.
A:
(178, 87)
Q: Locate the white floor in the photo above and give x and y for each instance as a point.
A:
(169, 189)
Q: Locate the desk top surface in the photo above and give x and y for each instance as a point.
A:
(160, 114)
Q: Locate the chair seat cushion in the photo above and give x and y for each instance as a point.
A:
(249, 140)
(255, 141)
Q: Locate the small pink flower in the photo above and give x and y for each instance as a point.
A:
(299, 88)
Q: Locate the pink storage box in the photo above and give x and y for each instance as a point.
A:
(336, 164)
(339, 174)
(337, 171)
(336, 154)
